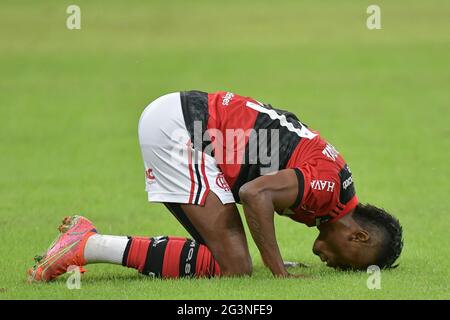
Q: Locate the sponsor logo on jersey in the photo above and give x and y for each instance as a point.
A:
(347, 185)
(221, 182)
(347, 182)
(330, 152)
(322, 185)
(227, 99)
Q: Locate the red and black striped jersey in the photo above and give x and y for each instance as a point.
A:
(249, 139)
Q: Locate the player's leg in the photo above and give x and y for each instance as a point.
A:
(79, 244)
(219, 227)
(175, 173)
(191, 185)
(218, 234)
(219, 238)
(162, 256)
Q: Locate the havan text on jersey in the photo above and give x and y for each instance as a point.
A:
(323, 185)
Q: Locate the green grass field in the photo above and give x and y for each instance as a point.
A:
(70, 101)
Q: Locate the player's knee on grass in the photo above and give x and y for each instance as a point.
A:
(241, 267)
(170, 257)
(233, 259)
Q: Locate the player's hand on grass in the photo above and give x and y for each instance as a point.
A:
(294, 264)
(299, 276)
(292, 275)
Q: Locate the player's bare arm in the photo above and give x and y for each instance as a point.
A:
(260, 198)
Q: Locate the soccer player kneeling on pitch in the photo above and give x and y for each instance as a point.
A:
(203, 153)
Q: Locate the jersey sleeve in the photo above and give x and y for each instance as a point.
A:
(318, 188)
(326, 192)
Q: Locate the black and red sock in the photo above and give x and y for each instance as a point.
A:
(170, 257)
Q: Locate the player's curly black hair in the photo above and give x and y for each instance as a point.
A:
(373, 218)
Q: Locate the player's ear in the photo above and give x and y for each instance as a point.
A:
(360, 236)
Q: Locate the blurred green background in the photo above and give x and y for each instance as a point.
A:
(70, 101)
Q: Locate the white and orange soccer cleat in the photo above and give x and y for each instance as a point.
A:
(66, 250)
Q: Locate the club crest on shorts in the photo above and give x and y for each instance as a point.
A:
(149, 174)
(221, 182)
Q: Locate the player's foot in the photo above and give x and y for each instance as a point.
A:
(65, 251)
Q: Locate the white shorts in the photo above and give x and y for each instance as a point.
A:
(175, 172)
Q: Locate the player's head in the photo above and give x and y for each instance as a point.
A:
(367, 236)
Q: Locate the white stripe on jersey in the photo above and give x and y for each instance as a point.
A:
(303, 132)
